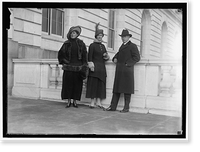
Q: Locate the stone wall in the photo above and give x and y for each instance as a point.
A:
(157, 88)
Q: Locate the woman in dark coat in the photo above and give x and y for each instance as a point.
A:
(73, 56)
(96, 83)
(125, 59)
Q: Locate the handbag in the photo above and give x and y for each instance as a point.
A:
(84, 71)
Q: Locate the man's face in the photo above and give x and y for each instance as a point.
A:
(125, 38)
(74, 34)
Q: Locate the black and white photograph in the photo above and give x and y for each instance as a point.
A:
(94, 70)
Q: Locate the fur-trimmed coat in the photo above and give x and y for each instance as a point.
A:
(64, 54)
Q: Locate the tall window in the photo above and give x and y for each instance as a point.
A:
(164, 39)
(145, 33)
(111, 29)
(52, 21)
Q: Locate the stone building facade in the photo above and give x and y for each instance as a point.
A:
(36, 35)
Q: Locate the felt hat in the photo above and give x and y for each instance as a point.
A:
(125, 33)
(98, 31)
(74, 28)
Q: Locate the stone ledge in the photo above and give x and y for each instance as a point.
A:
(166, 112)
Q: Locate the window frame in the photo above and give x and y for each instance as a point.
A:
(49, 30)
(145, 34)
(113, 30)
(164, 41)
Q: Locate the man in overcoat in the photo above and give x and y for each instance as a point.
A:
(125, 59)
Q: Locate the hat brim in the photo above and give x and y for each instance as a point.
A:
(126, 35)
(77, 28)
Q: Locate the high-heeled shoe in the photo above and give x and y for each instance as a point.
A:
(101, 107)
(75, 104)
(68, 104)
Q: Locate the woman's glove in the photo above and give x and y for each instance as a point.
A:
(91, 66)
(106, 56)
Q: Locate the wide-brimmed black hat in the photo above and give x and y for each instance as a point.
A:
(125, 33)
(74, 28)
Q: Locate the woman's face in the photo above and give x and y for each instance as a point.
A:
(74, 34)
(99, 37)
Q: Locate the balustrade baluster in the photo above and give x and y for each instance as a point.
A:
(53, 76)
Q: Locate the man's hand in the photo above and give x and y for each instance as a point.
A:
(115, 60)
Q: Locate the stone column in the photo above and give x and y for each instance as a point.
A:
(70, 19)
(120, 25)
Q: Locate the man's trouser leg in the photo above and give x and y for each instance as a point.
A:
(115, 100)
(127, 99)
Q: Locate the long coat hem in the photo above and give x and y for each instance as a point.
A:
(126, 57)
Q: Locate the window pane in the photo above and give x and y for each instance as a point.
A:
(59, 23)
(53, 28)
(141, 43)
(45, 20)
(111, 32)
(111, 19)
(111, 39)
(44, 25)
(53, 22)
(59, 29)
(113, 16)
(54, 14)
(59, 19)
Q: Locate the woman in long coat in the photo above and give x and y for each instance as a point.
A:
(125, 60)
(73, 56)
(96, 83)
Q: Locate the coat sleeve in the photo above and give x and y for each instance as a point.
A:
(90, 53)
(106, 57)
(85, 57)
(61, 55)
(135, 56)
(115, 57)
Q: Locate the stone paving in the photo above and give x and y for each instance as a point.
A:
(29, 116)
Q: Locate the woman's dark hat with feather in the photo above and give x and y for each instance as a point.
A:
(98, 31)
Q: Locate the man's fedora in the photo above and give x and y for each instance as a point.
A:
(125, 33)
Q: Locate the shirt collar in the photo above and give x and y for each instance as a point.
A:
(126, 42)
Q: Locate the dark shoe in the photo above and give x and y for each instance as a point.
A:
(75, 104)
(124, 110)
(68, 104)
(109, 109)
(101, 107)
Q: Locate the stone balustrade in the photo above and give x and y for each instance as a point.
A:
(158, 84)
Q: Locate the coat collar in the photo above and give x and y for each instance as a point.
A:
(125, 46)
(96, 41)
(126, 42)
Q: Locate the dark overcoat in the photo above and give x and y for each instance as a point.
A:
(127, 56)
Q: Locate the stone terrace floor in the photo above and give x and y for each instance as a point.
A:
(29, 116)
